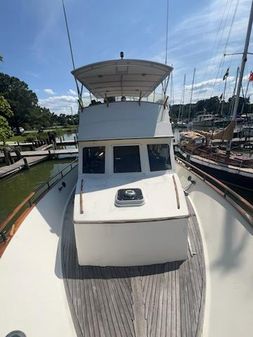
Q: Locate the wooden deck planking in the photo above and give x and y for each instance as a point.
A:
(149, 301)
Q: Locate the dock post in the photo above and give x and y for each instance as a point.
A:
(7, 156)
(26, 163)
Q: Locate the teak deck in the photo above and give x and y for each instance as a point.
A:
(165, 300)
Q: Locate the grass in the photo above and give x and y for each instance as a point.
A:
(35, 135)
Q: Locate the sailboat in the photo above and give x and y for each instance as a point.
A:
(199, 148)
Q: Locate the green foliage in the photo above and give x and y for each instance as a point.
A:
(22, 100)
(5, 130)
(210, 105)
(5, 109)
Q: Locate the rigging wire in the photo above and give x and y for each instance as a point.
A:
(172, 98)
(222, 60)
(219, 35)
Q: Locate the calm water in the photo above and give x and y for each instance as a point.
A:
(15, 188)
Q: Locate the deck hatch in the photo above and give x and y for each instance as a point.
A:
(129, 197)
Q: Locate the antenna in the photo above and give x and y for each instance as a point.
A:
(67, 27)
(167, 30)
(71, 53)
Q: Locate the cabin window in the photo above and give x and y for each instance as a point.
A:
(126, 159)
(159, 157)
(94, 159)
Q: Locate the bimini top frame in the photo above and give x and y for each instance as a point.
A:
(123, 77)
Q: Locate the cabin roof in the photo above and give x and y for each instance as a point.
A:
(124, 77)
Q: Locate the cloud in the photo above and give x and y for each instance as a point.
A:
(60, 104)
(66, 104)
(49, 91)
(72, 92)
(201, 40)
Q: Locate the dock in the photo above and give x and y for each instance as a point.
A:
(31, 158)
(34, 143)
(20, 165)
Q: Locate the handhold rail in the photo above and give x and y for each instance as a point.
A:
(81, 197)
(176, 191)
(244, 207)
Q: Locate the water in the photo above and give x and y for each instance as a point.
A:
(14, 189)
(67, 136)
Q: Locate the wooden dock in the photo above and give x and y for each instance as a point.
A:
(31, 144)
(33, 158)
(20, 165)
(38, 153)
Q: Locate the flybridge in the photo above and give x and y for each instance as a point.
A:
(123, 77)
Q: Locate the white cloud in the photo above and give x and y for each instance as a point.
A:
(60, 104)
(201, 40)
(49, 91)
(72, 92)
(63, 104)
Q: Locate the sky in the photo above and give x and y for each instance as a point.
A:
(34, 45)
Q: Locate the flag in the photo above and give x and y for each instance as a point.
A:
(226, 74)
(251, 76)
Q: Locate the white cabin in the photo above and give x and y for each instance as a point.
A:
(129, 207)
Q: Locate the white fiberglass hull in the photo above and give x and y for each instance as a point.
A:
(228, 247)
(31, 269)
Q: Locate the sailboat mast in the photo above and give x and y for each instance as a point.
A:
(190, 106)
(244, 60)
(181, 108)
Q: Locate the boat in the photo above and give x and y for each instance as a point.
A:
(128, 241)
(197, 148)
(204, 150)
(203, 119)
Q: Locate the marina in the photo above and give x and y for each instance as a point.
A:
(137, 266)
(125, 228)
(66, 149)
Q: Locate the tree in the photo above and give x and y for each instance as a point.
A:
(22, 100)
(5, 130)
(5, 109)
(39, 118)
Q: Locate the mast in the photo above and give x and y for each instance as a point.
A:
(244, 60)
(190, 107)
(181, 108)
